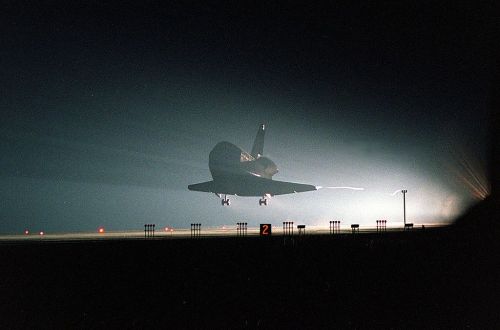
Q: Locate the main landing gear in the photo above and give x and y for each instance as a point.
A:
(225, 201)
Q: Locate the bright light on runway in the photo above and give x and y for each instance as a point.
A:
(395, 192)
(350, 188)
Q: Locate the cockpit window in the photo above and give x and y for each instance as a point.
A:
(245, 157)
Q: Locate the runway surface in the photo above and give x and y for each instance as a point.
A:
(183, 233)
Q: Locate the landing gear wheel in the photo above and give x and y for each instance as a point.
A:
(225, 201)
(262, 201)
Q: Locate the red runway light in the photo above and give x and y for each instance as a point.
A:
(166, 228)
(42, 233)
(101, 230)
(26, 232)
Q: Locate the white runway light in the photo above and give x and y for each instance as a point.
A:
(394, 193)
(351, 188)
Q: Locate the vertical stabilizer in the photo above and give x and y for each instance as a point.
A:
(258, 144)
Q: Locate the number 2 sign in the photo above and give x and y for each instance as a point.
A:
(265, 229)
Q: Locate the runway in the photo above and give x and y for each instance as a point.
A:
(186, 233)
(90, 280)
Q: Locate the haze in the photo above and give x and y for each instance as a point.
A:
(110, 111)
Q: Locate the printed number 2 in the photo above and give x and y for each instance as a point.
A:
(265, 230)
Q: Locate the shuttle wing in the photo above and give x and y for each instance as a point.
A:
(250, 185)
(208, 186)
(274, 187)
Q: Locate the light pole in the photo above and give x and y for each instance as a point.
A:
(404, 191)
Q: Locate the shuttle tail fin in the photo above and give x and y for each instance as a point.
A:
(258, 144)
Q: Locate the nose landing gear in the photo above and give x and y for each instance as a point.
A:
(262, 201)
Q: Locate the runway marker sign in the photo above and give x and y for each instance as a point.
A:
(265, 229)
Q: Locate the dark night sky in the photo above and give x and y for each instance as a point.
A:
(109, 110)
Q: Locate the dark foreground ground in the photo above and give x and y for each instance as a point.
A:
(444, 278)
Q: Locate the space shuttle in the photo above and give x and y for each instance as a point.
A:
(237, 172)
